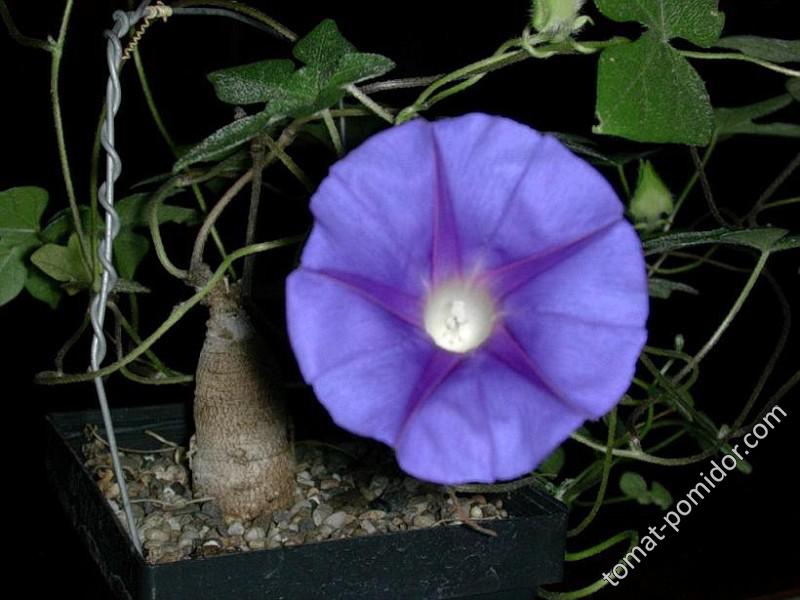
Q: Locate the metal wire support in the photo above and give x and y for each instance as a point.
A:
(123, 22)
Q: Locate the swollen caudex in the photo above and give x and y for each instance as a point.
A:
(459, 315)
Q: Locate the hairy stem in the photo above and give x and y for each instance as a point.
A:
(742, 57)
(57, 52)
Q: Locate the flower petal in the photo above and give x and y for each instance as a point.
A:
(362, 361)
(582, 322)
(604, 281)
(374, 212)
(516, 192)
(484, 422)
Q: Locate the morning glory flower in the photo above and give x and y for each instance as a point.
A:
(470, 294)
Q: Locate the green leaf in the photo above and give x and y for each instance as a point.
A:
(633, 485)
(126, 286)
(252, 83)
(62, 263)
(43, 288)
(698, 21)
(790, 242)
(331, 63)
(129, 250)
(13, 272)
(21, 208)
(60, 225)
(359, 66)
(663, 288)
(553, 464)
(793, 87)
(730, 121)
(323, 46)
(647, 92)
(771, 49)
(764, 238)
(132, 212)
(660, 496)
(226, 139)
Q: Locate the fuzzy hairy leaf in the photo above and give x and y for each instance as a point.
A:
(663, 288)
(763, 238)
(225, 139)
(252, 83)
(648, 92)
(740, 120)
(771, 49)
(698, 21)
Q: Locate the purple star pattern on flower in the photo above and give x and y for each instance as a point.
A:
(470, 294)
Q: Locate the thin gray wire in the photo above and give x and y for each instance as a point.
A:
(123, 22)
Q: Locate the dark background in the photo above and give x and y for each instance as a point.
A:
(739, 543)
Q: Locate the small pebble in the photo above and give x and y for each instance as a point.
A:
(475, 512)
(236, 528)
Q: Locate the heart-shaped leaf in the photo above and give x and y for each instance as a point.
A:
(21, 209)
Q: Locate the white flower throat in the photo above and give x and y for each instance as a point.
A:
(459, 316)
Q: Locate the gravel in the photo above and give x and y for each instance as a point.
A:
(346, 491)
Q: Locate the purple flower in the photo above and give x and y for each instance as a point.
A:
(470, 295)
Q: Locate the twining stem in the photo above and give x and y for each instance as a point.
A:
(743, 57)
(128, 374)
(134, 335)
(700, 170)
(57, 51)
(50, 378)
(369, 103)
(723, 326)
(333, 132)
(643, 456)
(61, 355)
(249, 11)
(19, 37)
(151, 104)
(156, 115)
(211, 217)
(600, 583)
(601, 493)
(793, 165)
(602, 546)
(152, 218)
(777, 203)
(777, 350)
(278, 150)
(257, 153)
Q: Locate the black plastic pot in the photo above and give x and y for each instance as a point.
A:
(436, 563)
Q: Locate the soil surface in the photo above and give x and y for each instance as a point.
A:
(341, 491)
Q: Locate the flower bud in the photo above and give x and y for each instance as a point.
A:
(651, 201)
(556, 17)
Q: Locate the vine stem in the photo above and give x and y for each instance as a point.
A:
(57, 51)
(737, 305)
(370, 103)
(600, 583)
(643, 456)
(18, 36)
(742, 57)
(601, 493)
(162, 129)
(50, 378)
